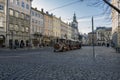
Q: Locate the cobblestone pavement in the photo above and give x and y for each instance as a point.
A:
(44, 64)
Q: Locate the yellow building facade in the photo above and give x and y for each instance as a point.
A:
(64, 30)
(56, 27)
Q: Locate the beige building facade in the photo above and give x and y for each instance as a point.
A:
(64, 30)
(116, 23)
(69, 33)
(3, 4)
(56, 27)
(48, 29)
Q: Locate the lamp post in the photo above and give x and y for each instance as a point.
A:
(93, 38)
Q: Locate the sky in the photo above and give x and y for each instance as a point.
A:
(83, 12)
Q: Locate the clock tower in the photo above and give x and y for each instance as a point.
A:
(75, 23)
(74, 26)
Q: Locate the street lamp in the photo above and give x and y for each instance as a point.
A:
(93, 38)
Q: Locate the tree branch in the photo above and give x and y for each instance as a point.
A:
(112, 6)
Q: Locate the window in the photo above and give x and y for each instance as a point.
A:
(36, 21)
(27, 6)
(16, 14)
(27, 29)
(22, 29)
(16, 27)
(11, 12)
(33, 20)
(32, 28)
(23, 4)
(11, 27)
(22, 16)
(32, 13)
(1, 22)
(27, 17)
(36, 14)
(12, 1)
(1, 8)
(39, 15)
(18, 2)
(37, 29)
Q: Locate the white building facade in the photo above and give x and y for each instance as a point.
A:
(37, 26)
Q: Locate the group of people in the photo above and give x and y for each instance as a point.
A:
(17, 44)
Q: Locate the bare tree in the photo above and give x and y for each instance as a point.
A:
(111, 5)
(104, 3)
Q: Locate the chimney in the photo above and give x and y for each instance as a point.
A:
(47, 12)
(35, 8)
(60, 18)
(51, 14)
(42, 10)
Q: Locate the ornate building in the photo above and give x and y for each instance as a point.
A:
(116, 24)
(48, 28)
(56, 28)
(37, 27)
(74, 26)
(15, 23)
(3, 4)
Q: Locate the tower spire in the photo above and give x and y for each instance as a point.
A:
(74, 18)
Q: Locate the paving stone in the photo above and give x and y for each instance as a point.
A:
(44, 64)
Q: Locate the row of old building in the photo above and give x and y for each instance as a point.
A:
(22, 25)
(102, 36)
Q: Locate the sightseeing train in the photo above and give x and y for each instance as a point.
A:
(66, 45)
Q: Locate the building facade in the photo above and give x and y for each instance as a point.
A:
(37, 27)
(100, 32)
(108, 36)
(18, 23)
(56, 28)
(116, 24)
(69, 33)
(24, 26)
(92, 38)
(64, 30)
(3, 4)
(74, 26)
(104, 36)
(48, 29)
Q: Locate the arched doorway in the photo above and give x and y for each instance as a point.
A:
(2, 41)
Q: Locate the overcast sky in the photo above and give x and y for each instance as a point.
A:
(83, 11)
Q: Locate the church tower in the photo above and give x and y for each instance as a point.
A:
(74, 26)
(74, 22)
